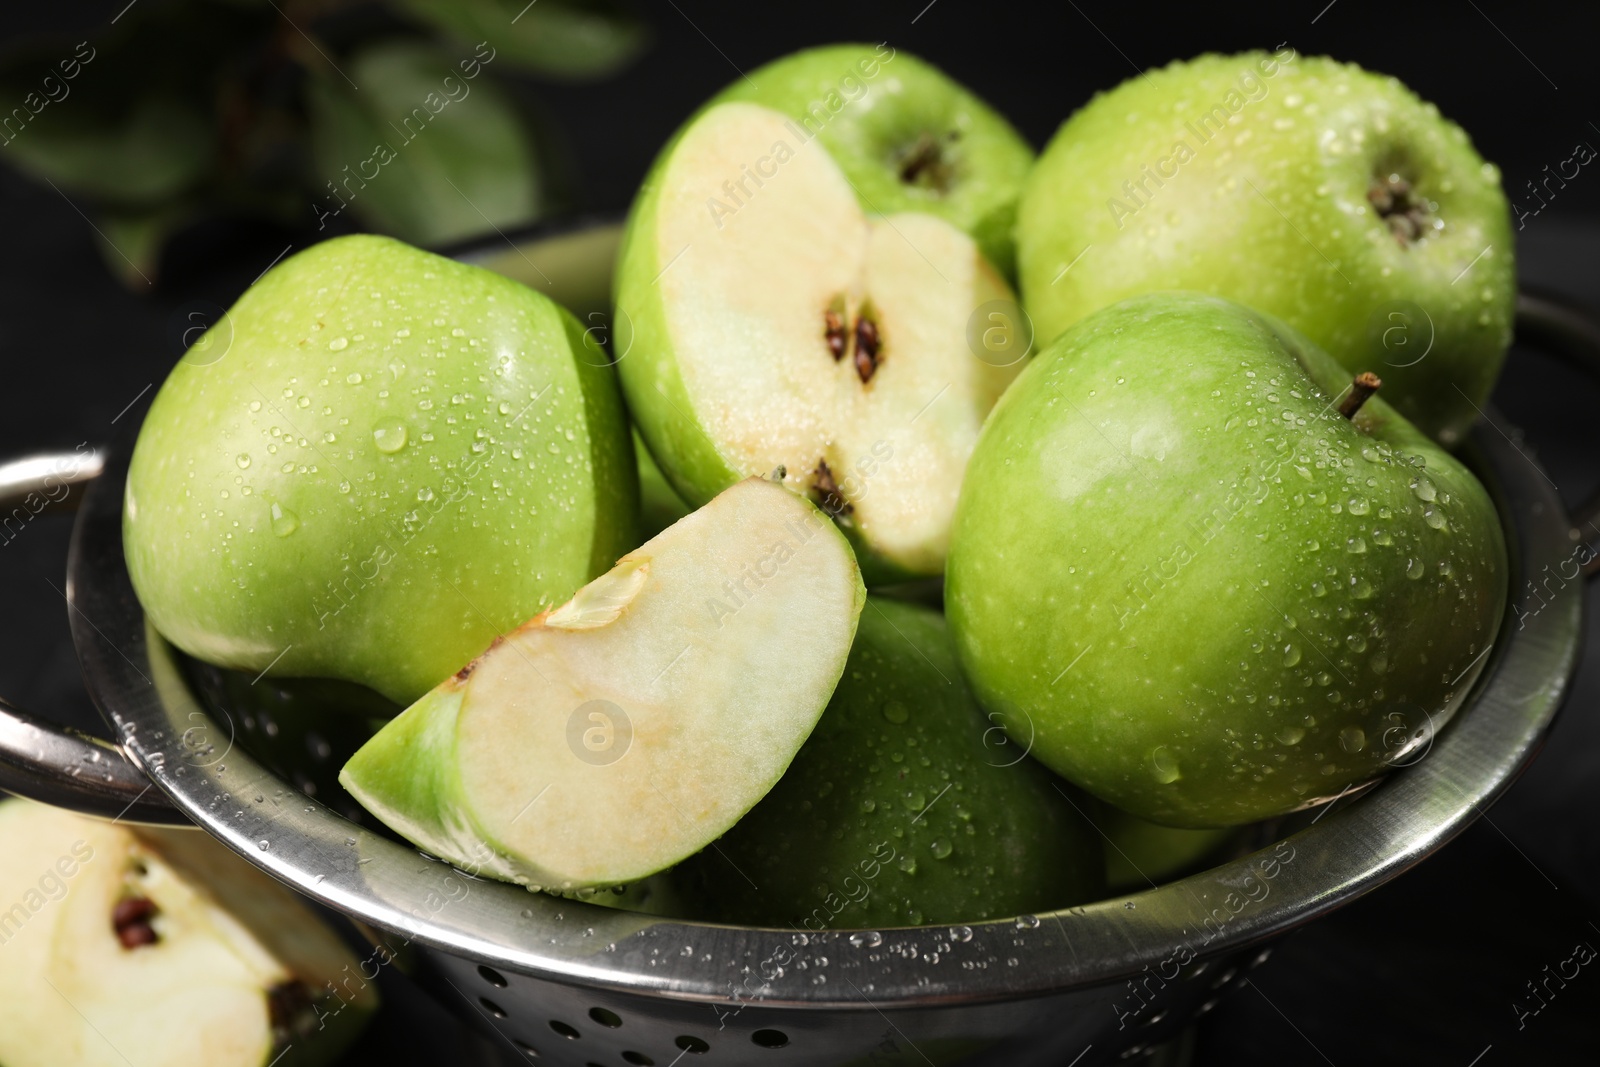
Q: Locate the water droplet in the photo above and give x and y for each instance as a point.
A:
(866, 939)
(389, 436)
(284, 521)
(1382, 537)
(1362, 589)
(1423, 489)
(354, 377)
(1435, 519)
(1445, 569)
(1359, 505)
(1291, 655)
(1352, 739)
(915, 800)
(961, 934)
(941, 849)
(263, 845)
(243, 460)
(1291, 735)
(1414, 569)
(1317, 589)
(896, 712)
(1164, 766)
(1356, 546)
(1027, 922)
(908, 864)
(339, 344)
(869, 805)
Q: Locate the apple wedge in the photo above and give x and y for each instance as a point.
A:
(159, 947)
(794, 330)
(611, 737)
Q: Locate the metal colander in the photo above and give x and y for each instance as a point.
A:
(569, 983)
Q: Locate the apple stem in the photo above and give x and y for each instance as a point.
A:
(1366, 383)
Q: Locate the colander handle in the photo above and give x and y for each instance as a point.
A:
(38, 759)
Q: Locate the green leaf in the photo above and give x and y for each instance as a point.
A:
(572, 40)
(130, 242)
(157, 148)
(420, 149)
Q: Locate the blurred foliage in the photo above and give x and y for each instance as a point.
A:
(412, 117)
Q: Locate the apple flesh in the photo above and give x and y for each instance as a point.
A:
(1214, 597)
(800, 333)
(902, 808)
(907, 137)
(160, 947)
(610, 738)
(376, 462)
(1314, 191)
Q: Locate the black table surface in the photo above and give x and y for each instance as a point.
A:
(1434, 968)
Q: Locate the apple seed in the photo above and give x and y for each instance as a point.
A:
(290, 1010)
(833, 329)
(130, 918)
(1365, 384)
(867, 346)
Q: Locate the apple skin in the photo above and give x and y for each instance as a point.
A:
(1140, 853)
(269, 512)
(858, 832)
(1279, 219)
(1196, 626)
(877, 102)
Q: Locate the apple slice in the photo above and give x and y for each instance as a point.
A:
(159, 947)
(611, 737)
(792, 330)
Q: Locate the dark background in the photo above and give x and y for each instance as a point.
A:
(1423, 971)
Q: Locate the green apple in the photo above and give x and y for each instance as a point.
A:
(903, 808)
(608, 739)
(1329, 197)
(1140, 853)
(798, 331)
(1211, 596)
(907, 137)
(124, 945)
(376, 462)
(659, 505)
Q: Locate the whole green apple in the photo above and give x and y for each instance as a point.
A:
(903, 807)
(375, 463)
(1141, 854)
(1206, 594)
(907, 136)
(1329, 197)
(780, 322)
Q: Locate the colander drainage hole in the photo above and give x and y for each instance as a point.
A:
(527, 1049)
(639, 1058)
(692, 1044)
(770, 1038)
(568, 1032)
(492, 1008)
(492, 976)
(608, 1019)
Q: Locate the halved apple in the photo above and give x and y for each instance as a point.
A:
(788, 328)
(611, 737)
(159, 947)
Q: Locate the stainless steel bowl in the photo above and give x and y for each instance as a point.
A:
(570, 983)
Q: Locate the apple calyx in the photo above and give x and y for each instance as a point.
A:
(925, 163)
(1409, 216)
(825, 491)
(1361, 389)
